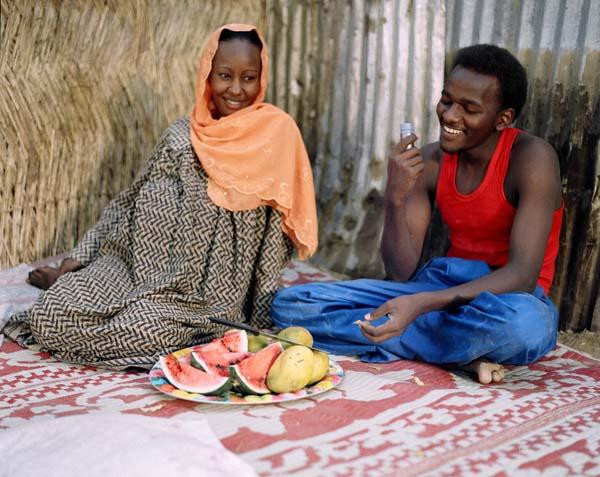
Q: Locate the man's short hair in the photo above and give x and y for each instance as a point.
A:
(499, 62)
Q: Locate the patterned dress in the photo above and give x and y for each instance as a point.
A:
(160, 261)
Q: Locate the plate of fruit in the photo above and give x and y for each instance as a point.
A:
(242, 368)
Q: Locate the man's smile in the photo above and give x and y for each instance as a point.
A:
(449, 130)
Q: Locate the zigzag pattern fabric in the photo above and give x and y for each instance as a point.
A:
(160, 261)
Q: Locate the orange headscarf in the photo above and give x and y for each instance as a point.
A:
(254, 156)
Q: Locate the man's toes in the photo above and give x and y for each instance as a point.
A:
(487, 372)
(499, 374)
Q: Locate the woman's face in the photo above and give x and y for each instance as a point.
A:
(235, 76)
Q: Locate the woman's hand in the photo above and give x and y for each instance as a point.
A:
(401, 312)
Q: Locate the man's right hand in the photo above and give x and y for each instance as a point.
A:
(404, 168)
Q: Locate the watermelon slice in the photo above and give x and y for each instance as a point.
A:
(192, 380)
(231, 342)
(250, 375)
(215, 362)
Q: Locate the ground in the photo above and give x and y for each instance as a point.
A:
(585, 341)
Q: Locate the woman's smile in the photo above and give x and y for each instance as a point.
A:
(235, 103)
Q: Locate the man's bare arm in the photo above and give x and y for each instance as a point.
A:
(407, 210)
(538, 183)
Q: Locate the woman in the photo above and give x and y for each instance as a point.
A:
(204, 231)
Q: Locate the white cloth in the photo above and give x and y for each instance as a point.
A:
(106, 444)
(15, 293)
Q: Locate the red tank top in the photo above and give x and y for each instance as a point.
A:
(479, 223)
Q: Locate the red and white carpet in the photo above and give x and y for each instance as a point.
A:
(403, 418)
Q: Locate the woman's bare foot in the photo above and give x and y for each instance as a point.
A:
(486, 372)
(44, 277)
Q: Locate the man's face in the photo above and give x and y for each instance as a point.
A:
(468, 110)
(235, 76)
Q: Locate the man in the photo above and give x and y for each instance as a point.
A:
(499, 192)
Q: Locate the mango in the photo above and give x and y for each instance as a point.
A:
(320, 366)
(297, 334)
(257, 342)
(291, 370)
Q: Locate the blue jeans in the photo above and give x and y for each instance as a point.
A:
(513, 328)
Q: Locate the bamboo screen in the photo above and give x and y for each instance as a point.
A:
(87, 88)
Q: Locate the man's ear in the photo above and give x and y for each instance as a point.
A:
(505, 118)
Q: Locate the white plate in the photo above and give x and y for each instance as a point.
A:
(160, 382)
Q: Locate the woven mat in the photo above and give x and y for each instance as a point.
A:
(403, 418)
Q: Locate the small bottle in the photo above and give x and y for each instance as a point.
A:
(405, 130)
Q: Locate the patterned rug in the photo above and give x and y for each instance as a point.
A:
(403, 418)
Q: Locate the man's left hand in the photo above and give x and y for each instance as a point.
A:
(401, 312)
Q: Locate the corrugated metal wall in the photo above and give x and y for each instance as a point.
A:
(350, 72)
(558, 41)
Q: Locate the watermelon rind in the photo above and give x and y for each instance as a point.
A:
(188, 378)
(198, 362)
(243, 386)
(258, 365)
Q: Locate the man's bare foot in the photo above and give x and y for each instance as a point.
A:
(44, 277)
(486, 372)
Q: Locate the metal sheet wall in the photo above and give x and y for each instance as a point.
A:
(558, 41)
(350, 72)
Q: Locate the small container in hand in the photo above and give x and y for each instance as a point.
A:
(405, 130)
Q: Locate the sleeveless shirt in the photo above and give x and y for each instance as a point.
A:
(480, 223)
